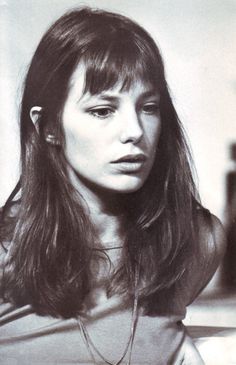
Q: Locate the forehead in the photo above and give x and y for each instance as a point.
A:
(77, 85)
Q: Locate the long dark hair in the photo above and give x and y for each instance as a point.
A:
(51, 259)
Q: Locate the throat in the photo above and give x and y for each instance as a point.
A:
(110, 231)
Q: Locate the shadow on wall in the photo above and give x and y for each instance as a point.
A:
(229, 275)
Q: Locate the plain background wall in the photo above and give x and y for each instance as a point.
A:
(197, 41)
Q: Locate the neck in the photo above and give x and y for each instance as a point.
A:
(109, 228)
(105, 210)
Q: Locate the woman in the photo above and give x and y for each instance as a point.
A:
(107, 232)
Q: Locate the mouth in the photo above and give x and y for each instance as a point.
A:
(130, 163)
(135, 158)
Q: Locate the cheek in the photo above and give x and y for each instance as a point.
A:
(153, 134)
(78, 146)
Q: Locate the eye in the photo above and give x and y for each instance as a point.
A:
(150, 108)
(101, 112)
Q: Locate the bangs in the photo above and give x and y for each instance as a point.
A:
(123, 62)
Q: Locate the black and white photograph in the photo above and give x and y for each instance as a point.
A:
(118, 182)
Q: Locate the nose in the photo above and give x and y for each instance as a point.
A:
(131, 131)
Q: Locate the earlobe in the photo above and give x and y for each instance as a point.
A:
(35, 114)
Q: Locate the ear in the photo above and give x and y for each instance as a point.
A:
(35, 114)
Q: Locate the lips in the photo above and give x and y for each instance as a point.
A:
(132, 158)
(130, 164)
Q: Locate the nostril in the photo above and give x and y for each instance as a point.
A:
(132, 140)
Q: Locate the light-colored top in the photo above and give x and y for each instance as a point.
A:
(27, 338)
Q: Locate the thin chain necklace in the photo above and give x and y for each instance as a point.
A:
(128, 348)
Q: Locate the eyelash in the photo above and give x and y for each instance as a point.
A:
(108, 111)
(150, 108)
(104, 112)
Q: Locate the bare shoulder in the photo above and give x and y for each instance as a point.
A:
(219, 236)
(212, 236)
(210, 249)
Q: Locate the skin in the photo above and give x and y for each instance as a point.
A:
(99, 129)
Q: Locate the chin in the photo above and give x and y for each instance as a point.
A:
(128, 184)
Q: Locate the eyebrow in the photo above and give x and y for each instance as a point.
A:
(150, 93)
(84, 98)
(106, 96)
(145, 94)
(115, 98)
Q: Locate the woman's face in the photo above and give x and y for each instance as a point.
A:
(111, 137)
